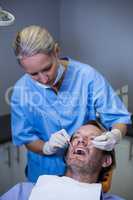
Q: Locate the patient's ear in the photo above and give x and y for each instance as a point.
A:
(107, 161)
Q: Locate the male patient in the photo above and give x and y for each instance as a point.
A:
(85, 169)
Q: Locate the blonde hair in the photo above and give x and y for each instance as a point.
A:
(32, 40)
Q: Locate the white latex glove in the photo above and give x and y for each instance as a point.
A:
(57, 140)
(108, 140)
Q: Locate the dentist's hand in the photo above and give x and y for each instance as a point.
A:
(57, 140)
(108, 140)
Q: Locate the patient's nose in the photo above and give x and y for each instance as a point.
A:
(82, 141)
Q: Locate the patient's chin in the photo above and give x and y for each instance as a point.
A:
(76, 160)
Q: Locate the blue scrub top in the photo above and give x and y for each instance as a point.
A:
(38, 112)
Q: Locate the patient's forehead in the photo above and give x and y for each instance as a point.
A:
(88, 130)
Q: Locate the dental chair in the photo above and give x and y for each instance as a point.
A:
(107, 179)
(106, 183)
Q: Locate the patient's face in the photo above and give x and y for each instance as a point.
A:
(82, 154)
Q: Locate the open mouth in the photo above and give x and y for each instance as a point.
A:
(79, 151)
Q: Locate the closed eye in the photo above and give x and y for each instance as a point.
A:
(46, 69)
(34, 74)
(43, 70)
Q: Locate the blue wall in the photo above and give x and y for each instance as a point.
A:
(100, 33)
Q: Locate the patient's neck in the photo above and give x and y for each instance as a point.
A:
(82, 177)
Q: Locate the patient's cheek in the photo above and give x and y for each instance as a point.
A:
(69, 152)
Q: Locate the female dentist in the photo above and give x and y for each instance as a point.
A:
(54, 98)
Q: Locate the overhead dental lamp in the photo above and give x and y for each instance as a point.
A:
(6, 18)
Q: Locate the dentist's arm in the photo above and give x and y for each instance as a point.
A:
(121, 127)
(36, 146)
